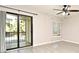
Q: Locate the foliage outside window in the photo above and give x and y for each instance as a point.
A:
(11, 25)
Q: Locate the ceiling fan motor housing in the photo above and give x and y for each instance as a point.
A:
(65, 5)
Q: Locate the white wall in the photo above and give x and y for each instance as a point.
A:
(70, 28)
(43, 29)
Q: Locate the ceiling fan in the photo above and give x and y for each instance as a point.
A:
(66, 10)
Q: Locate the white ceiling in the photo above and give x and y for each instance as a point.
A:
(46, 9)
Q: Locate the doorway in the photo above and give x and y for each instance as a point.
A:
(18, 31)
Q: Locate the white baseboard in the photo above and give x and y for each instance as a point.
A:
(45, 43)
(54, 42)
(71, 41)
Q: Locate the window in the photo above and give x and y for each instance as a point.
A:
(18, 31)
(56, 29)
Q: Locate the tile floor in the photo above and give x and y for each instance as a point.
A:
(58, 47)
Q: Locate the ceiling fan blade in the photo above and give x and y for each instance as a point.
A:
(57, 9)
(69, 5)
(73, 10)
(59, 13)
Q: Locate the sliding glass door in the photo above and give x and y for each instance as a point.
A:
(11, 31)
(25, 30)
(18, 31)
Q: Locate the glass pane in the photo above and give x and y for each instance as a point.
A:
(22, 32)
(11, 31)
(25, 25)
(28, 30)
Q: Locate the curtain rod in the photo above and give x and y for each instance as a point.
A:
(18, 10)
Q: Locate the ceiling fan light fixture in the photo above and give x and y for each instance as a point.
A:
(65, 14)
